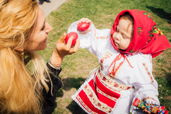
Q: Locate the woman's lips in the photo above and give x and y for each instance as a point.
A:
(45, 40)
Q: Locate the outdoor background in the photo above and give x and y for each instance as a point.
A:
(76, 67)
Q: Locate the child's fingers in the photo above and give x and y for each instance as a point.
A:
(89, 29)
(84, 20)
(148, 112)
(81, 20)
(87, 20)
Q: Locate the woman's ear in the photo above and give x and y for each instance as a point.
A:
(20, 48)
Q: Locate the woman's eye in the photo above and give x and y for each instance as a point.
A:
(43, 27)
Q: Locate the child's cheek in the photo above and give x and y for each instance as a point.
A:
(113, 36)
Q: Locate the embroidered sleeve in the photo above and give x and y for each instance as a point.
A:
(85, 39)
(94, 40)
(147, 87)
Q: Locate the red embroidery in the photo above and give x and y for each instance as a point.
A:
(105, 57)
(102, 98)
(100, 37)
(116, 85)
(116, 68)
(149, 74)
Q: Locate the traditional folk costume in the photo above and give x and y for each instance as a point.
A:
(111, 87)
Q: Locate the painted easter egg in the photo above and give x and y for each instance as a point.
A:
(83, 26)
(72, 35)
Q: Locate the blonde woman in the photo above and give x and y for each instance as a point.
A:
(23, 31)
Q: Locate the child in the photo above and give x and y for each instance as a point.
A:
(125, 63)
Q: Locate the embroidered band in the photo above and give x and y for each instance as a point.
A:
(113, 83)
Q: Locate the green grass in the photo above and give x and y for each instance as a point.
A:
(76, 67)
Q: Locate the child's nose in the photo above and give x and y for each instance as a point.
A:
(117, 36)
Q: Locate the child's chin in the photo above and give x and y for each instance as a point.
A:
(122, 49)
(117, 46)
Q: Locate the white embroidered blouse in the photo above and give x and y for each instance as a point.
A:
(135, 71)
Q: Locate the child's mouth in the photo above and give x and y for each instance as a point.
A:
(116, 44)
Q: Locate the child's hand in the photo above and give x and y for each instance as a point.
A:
(84, 20)
(145, 110)
(85, 23)
(148, 104)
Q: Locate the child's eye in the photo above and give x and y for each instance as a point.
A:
(124, 36)
(117, 30)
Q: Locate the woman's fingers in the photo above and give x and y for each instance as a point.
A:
(62, 39)
(71, 49)
(76, 47)
(68, 45)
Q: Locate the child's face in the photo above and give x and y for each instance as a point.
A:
(123, 34)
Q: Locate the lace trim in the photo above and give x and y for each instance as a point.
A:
(144, 99)
(93, 98)
(91, 95)
(84, 106)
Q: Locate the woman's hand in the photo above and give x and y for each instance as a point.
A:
(62, 49)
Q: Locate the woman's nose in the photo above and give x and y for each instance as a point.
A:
(49, 28)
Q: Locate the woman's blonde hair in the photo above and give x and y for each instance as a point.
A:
(20, 92)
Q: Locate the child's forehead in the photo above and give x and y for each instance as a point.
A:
(127, 16)
(127, 24)
(125, 30)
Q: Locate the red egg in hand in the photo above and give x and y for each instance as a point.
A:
(83, 26)
(72, 35)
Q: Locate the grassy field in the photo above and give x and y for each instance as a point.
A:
(76, 67)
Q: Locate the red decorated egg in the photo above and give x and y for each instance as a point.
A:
(72, 35)
(83, 26)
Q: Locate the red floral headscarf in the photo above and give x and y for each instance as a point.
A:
(147, 37)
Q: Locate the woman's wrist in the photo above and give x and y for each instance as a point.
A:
(56, 59)
(54, 66)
